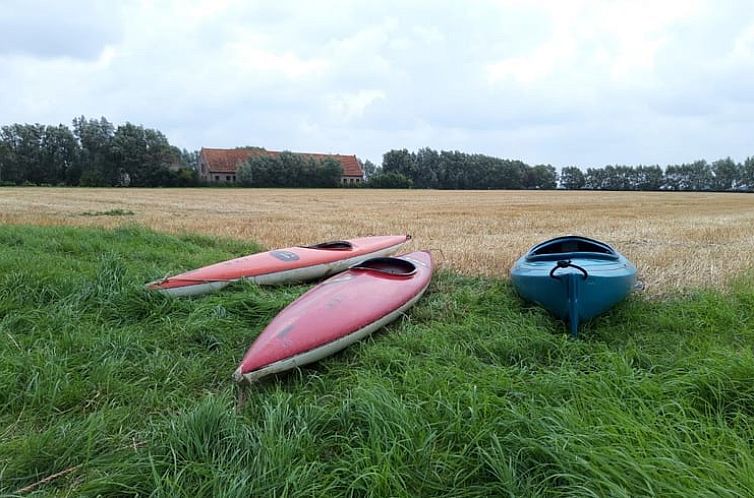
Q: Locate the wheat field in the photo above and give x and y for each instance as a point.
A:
(677, 240)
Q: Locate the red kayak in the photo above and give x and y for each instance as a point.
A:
(336, 313)
(293, 264)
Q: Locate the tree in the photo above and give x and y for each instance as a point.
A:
(695, 176)
(727, 174)
(329, 173)
(453, 170)
(572, 178)
(624, 178)
(190, 159)
(746, 181)
(261, 171)
(127, 153)
(14, 161)
(289, 170)
(389, 180)
(29, 153)
(425, 164)
(59, 153)
(96, 166)
(5, 157)
(10, 171)
(245, 174)
(649, 177)
(593, 178)
(542, 176)
(618, 178)
(509, 174)
(143, 156)
(186, 177)
(94, 153)
(37, 153)
(400, 161)
(700, 176)
(370, 169)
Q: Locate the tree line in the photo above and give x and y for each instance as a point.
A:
(93, 153)
(97, 153)
(428, 168)
(724, 175)
(289, 170)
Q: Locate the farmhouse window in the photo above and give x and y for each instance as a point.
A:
(217, 178)
(227, 178)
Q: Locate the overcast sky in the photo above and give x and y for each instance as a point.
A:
(585, 83)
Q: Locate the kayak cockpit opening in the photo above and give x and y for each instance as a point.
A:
(333, 245)
(389, 266)
(571, 247)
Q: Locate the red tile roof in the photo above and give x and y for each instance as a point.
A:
(228, 160)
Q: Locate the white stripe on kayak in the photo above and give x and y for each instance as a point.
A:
(294, 275)
(325, 350)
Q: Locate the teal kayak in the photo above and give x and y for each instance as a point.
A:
(574, 278)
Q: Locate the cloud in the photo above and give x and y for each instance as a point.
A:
(349, 106)
(559, 82)
(75, 30)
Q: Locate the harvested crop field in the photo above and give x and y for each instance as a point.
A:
(678, 240)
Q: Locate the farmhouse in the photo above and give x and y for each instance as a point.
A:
(221, 165)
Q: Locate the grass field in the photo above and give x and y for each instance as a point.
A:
(678, 240)
(108, 390)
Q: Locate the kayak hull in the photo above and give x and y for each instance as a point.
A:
(576, 285)
(336, 313)
(281, 266)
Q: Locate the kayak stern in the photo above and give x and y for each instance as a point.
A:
(574, 278)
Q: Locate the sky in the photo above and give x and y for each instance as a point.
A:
(578, 82)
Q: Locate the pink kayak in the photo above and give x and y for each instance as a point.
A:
(338, 312)
(292, 264)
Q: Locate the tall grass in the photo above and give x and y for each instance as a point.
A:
(106, 389)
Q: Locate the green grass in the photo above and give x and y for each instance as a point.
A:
(473, 393)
